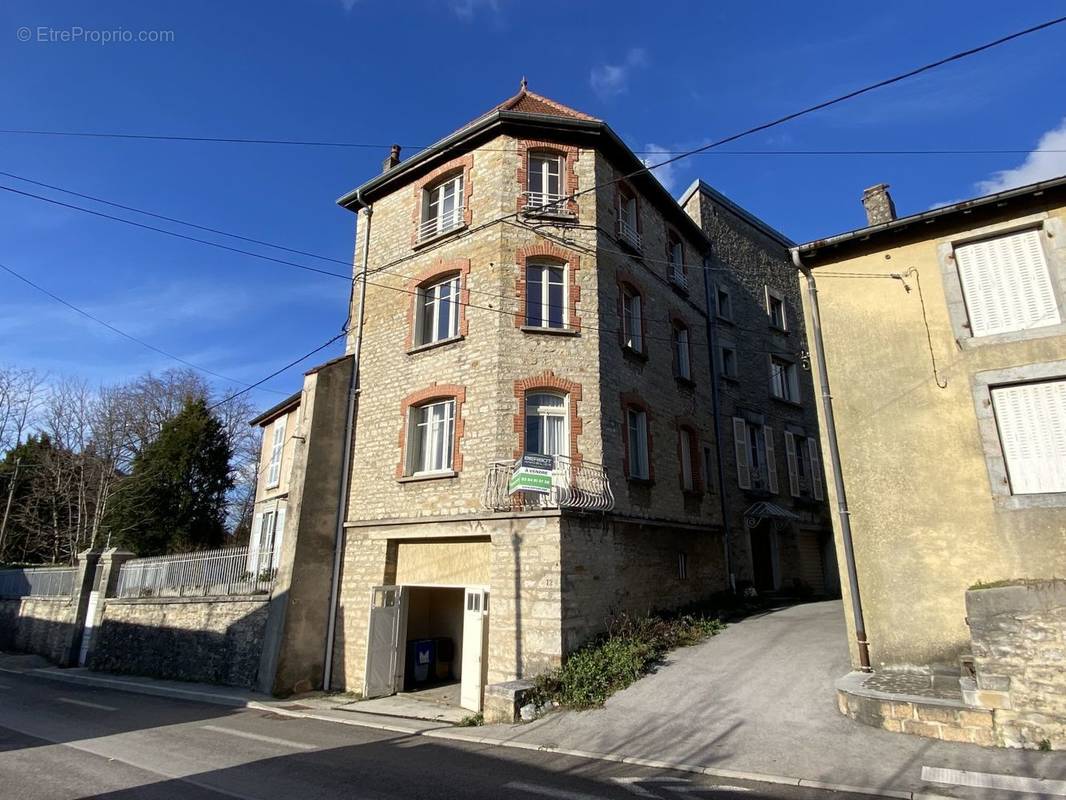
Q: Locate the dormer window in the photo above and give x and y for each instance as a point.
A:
(545, 183)
(442, 207)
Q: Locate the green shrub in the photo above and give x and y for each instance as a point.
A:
(471, 721)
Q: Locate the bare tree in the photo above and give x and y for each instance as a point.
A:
(20, 398)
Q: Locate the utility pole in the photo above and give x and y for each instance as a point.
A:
(7, 506)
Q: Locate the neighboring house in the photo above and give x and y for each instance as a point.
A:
(945, 340)
(279, 425)
(773, 487)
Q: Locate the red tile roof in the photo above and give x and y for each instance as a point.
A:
(528, 102)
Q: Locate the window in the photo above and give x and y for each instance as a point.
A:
(1006, 284)
(430, 438)
(754, 448)
(264, 545)
(675, 256)
(723, 303)
(637, 424)
(545, 296)
(277, 447)
(784, 379)
(728, 361)
(628, 225)
(442, 207)
(708, 472)
(804, 466)
(632, 319)
(546, 426)
(545, 182)
(682, 356)
(685, 449)
(437, 315)
(775, 309)
(1031, 419)
(682, 565)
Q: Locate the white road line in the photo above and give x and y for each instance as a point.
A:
(260, 738)
(548, 791)
(991, 780)
(85, 704)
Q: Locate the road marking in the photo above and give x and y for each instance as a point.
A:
(991, 780)
(548, 791)
(671, 785)
(85, 704)
(260, 738)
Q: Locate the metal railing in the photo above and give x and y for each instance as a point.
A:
(37, 582)
(211, 573)
(628, 233)
(545, 203)
(581, 487)
(678, 276)
(442, 223)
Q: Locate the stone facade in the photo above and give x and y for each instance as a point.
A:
(44, 626)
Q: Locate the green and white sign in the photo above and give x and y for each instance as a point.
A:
(530, 475)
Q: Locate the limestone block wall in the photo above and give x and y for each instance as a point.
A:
(210, 640)
(1018, 635)
(40, 625)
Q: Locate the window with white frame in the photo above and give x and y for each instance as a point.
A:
(723, 301)
(628, 226)
(431, 437)
(784, 379)
(637, 427)
(804, 466)
(632, 319)
(754, 449)
(545, 295)
(546, 424)
(686, 447)
(675, 255)
(775, 309)
(1006, 284)
(442, 207)
(437, 307)
(545, 187)
(682, 356)
(277, 449)
(1031, 419)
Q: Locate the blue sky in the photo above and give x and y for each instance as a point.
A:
(668, 76)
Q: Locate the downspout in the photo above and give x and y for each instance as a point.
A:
(834, 460)
(346, 458)
(716, 413)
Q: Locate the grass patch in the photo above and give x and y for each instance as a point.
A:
(471, 721)
(1012, 582)
(630, 649)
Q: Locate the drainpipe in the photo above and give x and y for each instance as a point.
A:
(716, 413)
(346, 458)
(834, 460)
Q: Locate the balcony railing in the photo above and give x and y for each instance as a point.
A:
(580, 487)
(442, 223)
(628, 233)
(545, 203)
(678, 276)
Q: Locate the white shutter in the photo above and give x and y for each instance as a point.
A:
(740, 445)
(1006, 284)
(1032, 431)
(276, 451)
(279, 533)
(253, 542)
(771, 465)
(816, 468)
(793, 472)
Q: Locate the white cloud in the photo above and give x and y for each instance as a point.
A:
(349, 5)
(666, 174)
(1041, 164)
(609, 80)
(465, 9)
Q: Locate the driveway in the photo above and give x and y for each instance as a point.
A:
(760, 697)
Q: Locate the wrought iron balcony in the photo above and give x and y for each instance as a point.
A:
(442, 223)
(545, 203)
(628, 233)
(678, 276)
(580, 487)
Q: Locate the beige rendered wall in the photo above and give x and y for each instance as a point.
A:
(262, 491)
(925, 523)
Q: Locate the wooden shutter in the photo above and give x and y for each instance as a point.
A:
(1006, 284)
(1032, 431)
(740, 445)
(279, 533)
(771, 465)
(816, 469)
(793, 472)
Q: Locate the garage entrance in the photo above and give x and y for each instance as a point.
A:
(428, 641)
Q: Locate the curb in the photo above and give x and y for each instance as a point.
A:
(458, 735)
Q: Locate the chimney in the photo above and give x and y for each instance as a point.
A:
(392, 160)
(878, 204)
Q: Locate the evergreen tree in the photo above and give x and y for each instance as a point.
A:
(174, 500)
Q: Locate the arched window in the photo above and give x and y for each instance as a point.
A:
(632, 319)
(545, 294)
(545, 182)
(546, 424)
(442, 207)
(437, 310)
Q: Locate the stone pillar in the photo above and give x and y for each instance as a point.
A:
(84, 581)
(98, 572)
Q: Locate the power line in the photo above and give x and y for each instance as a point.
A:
(119, 331)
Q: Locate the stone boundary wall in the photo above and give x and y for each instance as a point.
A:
(43, 626)
(1018, 633)
(203, 639)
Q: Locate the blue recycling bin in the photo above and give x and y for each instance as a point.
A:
(421, 659)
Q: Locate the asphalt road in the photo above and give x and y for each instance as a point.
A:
(61, 741)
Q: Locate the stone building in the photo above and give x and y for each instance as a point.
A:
(276, 454)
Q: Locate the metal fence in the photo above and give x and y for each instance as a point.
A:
(37, 582)
(211, 573)
(583, 486)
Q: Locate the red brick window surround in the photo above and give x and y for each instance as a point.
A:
(553, 254)
(632, 336)
(462, 164)
(681, 345)
(430, 394)
(548, 382)
(431, 275)
(567, 155)
(631, 401)
(687, 432)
